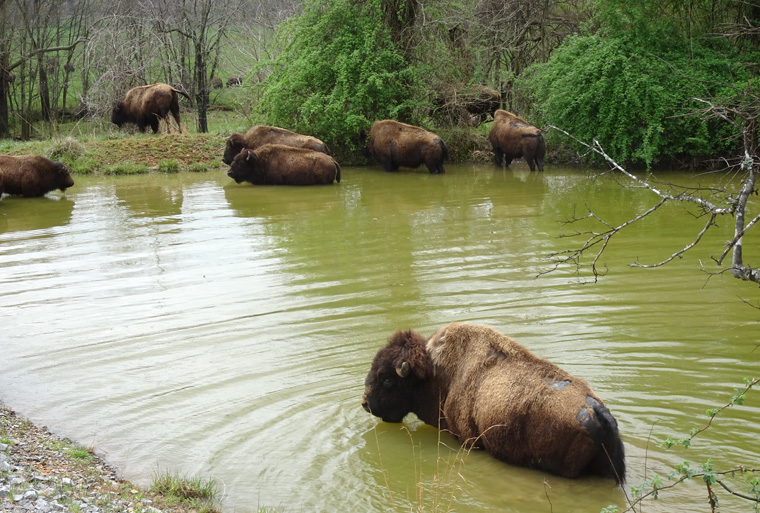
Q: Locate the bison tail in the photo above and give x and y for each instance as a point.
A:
(610, 460)
(444, 149)
(183, 94)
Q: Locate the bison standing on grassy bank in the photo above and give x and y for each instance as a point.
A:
(147, 105)
(32, 175)
(277, 164)
(260, 135)
(396, 144)
(512, 137)
(490, 392)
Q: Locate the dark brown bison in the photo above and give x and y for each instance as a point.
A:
(512, 137)
(147, 105)
(32, 175)
(259, 135)
(234, 81)
(396, 144)
(490, 392)
(216, 83)
(277, 164)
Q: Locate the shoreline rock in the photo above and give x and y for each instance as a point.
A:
(41, 472)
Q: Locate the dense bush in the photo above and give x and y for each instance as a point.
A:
(639, 104)
(338, 71)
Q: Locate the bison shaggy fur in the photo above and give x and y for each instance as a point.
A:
(512, 137)
(277, 164)
(396, 144)
(490, 392)
(259, 135)
(32, 175)
(147, 105)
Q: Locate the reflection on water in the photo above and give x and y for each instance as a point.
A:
(185, 322)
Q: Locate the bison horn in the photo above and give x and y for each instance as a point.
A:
(403, 371)
(247, 155)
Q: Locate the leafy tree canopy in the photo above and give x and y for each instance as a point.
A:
(337, 72)
(633, 87)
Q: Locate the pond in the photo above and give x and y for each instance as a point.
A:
(187, 323)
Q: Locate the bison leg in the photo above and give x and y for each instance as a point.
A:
(498, 156)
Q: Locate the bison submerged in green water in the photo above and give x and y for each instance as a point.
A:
(490, 392)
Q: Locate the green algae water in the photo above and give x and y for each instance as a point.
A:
(187, 323)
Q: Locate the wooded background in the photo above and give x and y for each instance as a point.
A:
(656, 82)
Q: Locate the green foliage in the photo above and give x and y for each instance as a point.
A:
(199, 493)
(126, 168)
(338, 71)
(168, 166)
(636, 103)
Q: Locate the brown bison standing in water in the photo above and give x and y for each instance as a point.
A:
(147, 105)
(490, 392)
(396, 144)
(277, 164)
(259, 135)
(512, 137)
(32, 175)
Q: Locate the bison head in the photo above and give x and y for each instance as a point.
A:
(243, 167)
(235, 145)
(63, 177)
(398, 372)
(117, 114)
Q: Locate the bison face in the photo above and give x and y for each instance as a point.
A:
(117, 116)
(235, 145)
(243, 167)
(399, 371)
(64, 177)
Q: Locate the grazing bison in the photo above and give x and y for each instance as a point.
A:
(32, 175)
(234, 81)
(490, 392)
(396, 144)
(146, 105)
(259, 135)
(216, 83)
(512, 137)
(277, 164)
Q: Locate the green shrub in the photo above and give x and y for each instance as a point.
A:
(168, 166)
(126, 168)
(337, 72)
(638, 104)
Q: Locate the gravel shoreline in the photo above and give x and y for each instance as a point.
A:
(41, 472)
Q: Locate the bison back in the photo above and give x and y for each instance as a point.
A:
(260, 135)
(285, 165)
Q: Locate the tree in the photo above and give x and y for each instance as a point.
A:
(338, 70)
(202, 24)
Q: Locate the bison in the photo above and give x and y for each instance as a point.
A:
(33, 175)
(490, 392)
(396, 144)
(147, 105)
(259, 135)
(512, 137)
(277, 164)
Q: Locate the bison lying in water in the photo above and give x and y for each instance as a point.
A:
(276, 164)
(512, 137)
(146, 105)
(261, 134)
(490, 392)
(32, 175)
(396, 144)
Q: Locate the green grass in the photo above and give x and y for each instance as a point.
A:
(196, 492)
